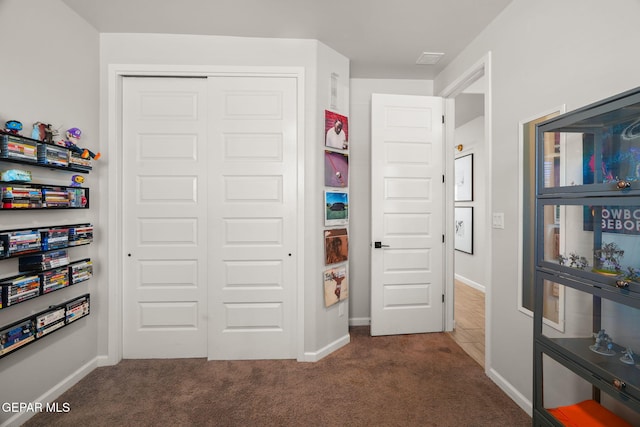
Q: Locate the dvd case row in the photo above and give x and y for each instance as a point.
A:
(20, 242)
(42, 196)
(27, 150)
(20, 288)
(25, 331)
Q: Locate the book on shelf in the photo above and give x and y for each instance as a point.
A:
(50, 321)
(54, 238)
(17, 335)
(80, 271)
(80, 235)
(53, 155)
(44, 261)
(19, 289)
(54, 279)
(77, 309)
(16, 147)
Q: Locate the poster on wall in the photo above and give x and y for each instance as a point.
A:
(463, 189)
(464, 229)
(336, 169)
(336, 207)
(336, 246)
(336, 131)
(336, 285)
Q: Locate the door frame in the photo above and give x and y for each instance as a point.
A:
(481, 68)
(111, 186)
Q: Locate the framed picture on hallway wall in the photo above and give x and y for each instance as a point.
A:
(464, 229)
(464, 179)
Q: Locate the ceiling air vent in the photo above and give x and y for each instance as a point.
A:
(429, 58)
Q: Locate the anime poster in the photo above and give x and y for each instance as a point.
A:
(336, 131)
(336, 169)
(336, 285)
(620, 160)
(336, 246)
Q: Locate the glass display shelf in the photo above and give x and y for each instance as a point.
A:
(594, 149)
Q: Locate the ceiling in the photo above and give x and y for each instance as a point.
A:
(382, 38)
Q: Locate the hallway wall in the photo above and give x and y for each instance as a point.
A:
(543, 55)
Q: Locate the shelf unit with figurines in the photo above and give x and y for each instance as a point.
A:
(587, 260)
(44, 263)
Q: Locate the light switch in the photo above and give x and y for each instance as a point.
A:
(498, 220)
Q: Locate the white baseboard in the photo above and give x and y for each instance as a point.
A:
(359, 321)
(471, 283)
(327, 350)
(105, 361)
(514, 394)
(53, 393)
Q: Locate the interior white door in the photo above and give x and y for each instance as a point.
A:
(165, 217)
(407, 205)
(253, 229)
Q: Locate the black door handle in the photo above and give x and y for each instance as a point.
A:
(379, 245)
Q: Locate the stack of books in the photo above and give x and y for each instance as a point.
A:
(80, 234)
(21, 288)
(18, 148)
(54, 279)
(45, 261)
(20, 197)
(53, 155)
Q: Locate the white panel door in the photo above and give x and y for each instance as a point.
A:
(407, 205)
(165, 217)
(252, 238)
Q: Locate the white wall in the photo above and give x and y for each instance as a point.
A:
(470, 268)
(544, 54)
(49, 73)
(324, 330)
(360, 185)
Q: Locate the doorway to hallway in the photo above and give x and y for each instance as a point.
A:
(469, 314)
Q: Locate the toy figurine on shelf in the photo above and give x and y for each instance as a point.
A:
(77, 180)
(603, 344)
(628, 357)
(73, 137)
(13, 126)
(43, 132)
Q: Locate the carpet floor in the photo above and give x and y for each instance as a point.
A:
(401, 380)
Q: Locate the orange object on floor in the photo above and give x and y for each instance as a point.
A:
(588, 413)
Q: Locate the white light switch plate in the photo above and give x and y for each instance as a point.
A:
(498, 220)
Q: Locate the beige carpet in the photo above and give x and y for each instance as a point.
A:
(404, 380)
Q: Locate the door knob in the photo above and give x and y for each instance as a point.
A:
(622, 184)
(379, 245)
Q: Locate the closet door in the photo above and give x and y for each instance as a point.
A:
(165, 217)
(252, 217)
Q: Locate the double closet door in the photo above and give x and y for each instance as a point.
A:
(209, 217)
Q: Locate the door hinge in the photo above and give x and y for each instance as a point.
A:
(443, 238)
(442, 297)
(443, 119)
(443, 179)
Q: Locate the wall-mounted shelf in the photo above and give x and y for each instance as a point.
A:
(23, 241)
(28, 285)
(21, 196)
(26, 151)
(31, 329)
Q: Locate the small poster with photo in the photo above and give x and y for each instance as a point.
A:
(336, 246)
(336, 169)
(336, 131)
(336, 285)
(336, 207)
